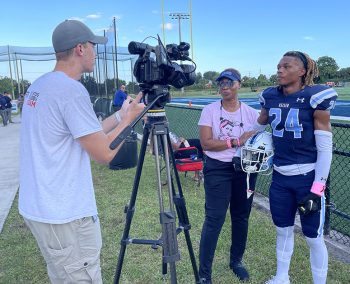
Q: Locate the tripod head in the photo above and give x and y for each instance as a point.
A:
(160, 98)
(158, 93)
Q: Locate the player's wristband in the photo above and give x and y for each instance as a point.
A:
(117, 116)
(318, 188)
(228, 143)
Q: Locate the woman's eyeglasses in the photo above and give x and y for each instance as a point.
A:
(226, 84)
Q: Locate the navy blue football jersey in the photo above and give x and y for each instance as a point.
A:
(292, 122)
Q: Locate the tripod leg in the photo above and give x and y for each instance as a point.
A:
(167, 218)
(129, 210)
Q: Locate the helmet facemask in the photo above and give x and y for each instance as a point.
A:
(257, 154)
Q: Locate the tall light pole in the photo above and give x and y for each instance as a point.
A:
(116, 50)
(163, 22)
(191, 28)
(179, 17)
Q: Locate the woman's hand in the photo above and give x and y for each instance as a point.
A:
(245, 136)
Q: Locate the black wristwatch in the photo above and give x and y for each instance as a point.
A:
(233, 144)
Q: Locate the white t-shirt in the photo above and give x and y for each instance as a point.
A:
(226, 125)
(55, 174)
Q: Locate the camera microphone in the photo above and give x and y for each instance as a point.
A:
(135, 47)
(184, 46)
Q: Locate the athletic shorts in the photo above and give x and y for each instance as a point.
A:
(285, 193)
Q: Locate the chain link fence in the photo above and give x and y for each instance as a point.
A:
(339, 185)
(183, 121)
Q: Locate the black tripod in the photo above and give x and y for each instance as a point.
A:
(157, 127)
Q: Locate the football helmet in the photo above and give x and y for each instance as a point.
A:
(257, 153)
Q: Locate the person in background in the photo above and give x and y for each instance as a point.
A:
(3, 109)
(20, 103)
(59, 135)
(299, 114)
(180, 143)
(224, 126)
(119, 97)
(8, 99)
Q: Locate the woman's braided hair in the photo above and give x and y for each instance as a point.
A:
(309, 65)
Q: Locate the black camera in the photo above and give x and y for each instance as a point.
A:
(155, 69)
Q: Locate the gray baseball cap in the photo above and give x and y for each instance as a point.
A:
(70, 33)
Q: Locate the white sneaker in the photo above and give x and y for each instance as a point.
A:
(275, 280)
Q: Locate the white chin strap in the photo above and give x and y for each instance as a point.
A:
(249, 191)
(249, 169)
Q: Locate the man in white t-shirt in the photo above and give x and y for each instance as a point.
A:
(59, 135)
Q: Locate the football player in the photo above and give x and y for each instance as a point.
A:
(298, 112)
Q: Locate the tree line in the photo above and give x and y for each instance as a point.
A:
(328, 71)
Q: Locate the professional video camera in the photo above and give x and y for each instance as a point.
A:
(156, 73)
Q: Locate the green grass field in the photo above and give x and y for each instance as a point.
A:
(21, 262)
(344, 93)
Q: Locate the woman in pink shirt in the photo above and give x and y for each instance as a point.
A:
(224, 126)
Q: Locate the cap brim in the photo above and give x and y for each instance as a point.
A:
(225, 76)
(233, 78)
(99, 40)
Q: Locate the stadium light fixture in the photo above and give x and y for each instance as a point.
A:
(179, 17)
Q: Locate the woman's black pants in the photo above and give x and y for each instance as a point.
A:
(223, 187)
